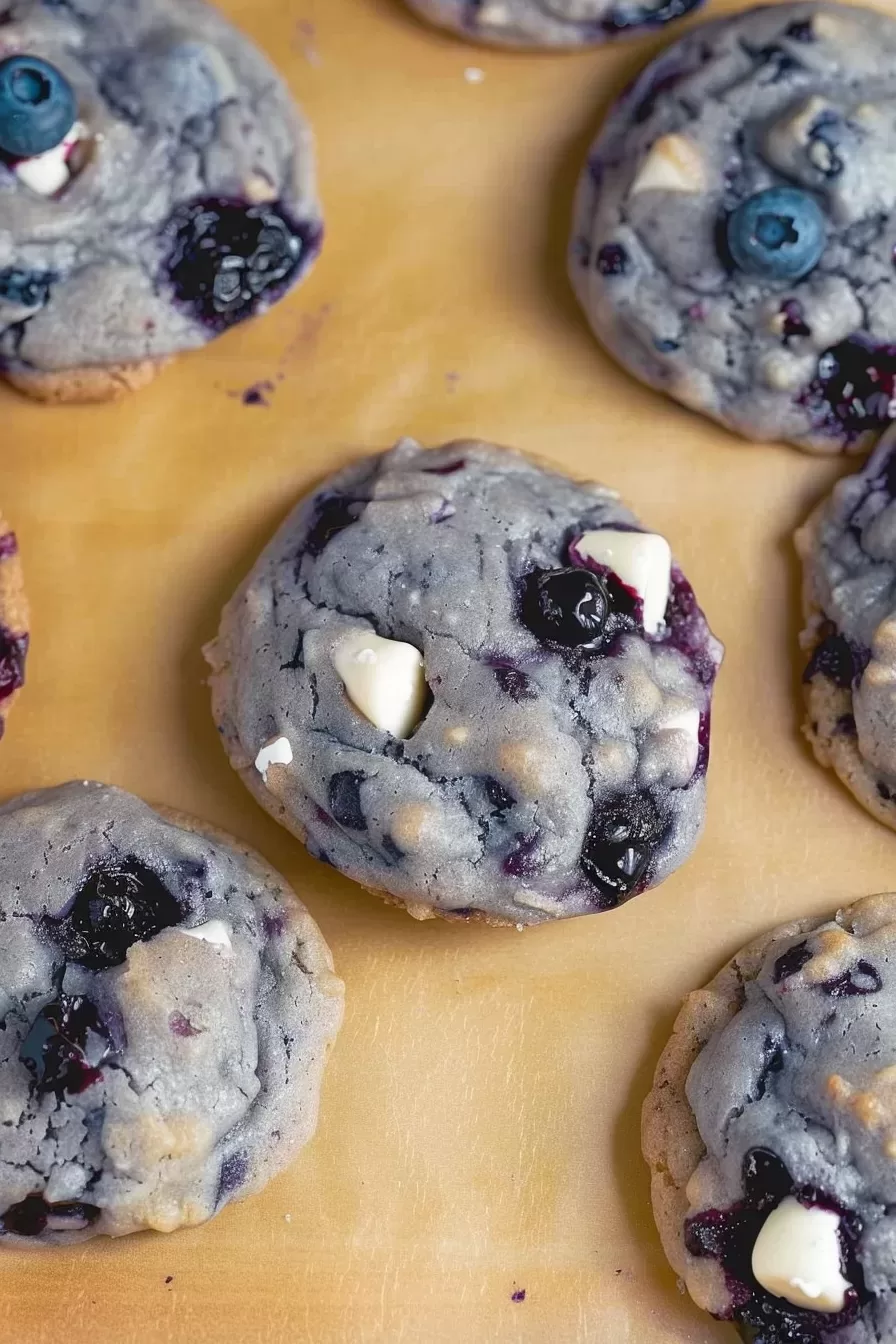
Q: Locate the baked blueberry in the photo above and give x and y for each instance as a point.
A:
(37, 106)
(733, 243)
(770, 1138)
(501, 707)
(13, 622)
(551, 23)
(99, 286)
(167, 1009)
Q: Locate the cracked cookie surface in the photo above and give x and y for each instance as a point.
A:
(13, 622)
(848, 550)
(779, 1087)
(185, 202)
(551, 23)
(734, 225)
(167, 1007)
(435, 678)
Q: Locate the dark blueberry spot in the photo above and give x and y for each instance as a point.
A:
(273, 925)
(182, 1026)
(846, 725)
(863, 978)
(837, 659)
(884, 790)
(794, 323)
(169, 1278)
(26, 289)
(619, 846)
(193, 871)
(800, 31)
(515, 683)
(33, 1216)
(391, 850)
(9, 546)
(298, 658)
(65, 1046)
(258, 394)
(226, 258)
(448, 470)
(524, 859)
(519, 1295)
(612, 259)
(497, 795)
(791, 962)
(854, 390)
(332, 515)
(628, 16)
(566, 607)
(772, 1063)
(234, 1171)
(118, 906)
(778, 63)
(664, 346)
(344, 800)
(37, 106)
(778, 234)
(13, 651)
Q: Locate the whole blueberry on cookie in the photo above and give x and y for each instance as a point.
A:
(551, 23)
(734, 234)
(771, 1134)
(157, 187)
(13, 622)
(848, 550)
(166, 1007)
(473, 685)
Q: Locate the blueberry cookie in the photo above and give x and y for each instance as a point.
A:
(13, 622)
(167, 1006)
(848, 550)
(771, 1134)
(550, 23)
(475, 686)
(734, 225)
(156, 187)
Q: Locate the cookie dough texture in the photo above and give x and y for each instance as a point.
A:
(13, 622)
(179, 109)
(214, 1054)
(848, 551)
(483, 813)
(549, 23)
(790, 1051)
(797, 95)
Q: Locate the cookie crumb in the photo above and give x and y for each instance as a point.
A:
(519, 1295)
(170, 1278)
(473, 74)
(287, 1217)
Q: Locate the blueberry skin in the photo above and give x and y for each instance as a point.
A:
(37, 106)
(778, 234)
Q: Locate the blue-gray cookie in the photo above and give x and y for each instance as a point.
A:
(473, 685)
(734, 225)
(166, 1007)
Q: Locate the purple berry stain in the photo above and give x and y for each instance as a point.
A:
(9, 546)
(259, 394)
(182, 1026)
(13, 652)
(66, 1046)
(514, 681)
(612, 259)
(837, 659)
(519, 1295)
(791, 962)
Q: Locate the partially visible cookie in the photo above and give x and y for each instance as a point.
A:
(158, 187)
(734, 224)
(166, 1008)
(472, 684)
(551, 23)
(848, 550)
(771, 1134)
(13, 622)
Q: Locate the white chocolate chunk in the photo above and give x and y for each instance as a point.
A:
(673, 164)
(48, 173)
(642, 560)
(276, 752)
(797, 1256)
(384, 680)
(214, 931)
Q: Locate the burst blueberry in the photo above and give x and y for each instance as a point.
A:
(569, 607)
(115, 908)
(778, 234)
(619, 845)
(65, 1046)
(37, 106)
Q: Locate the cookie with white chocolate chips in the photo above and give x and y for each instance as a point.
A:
(771, 1134)
(848, 550)
(13, 622)
(166, 1008)
(158, 187)
(735, 226)
(551, 23)
(475, 686)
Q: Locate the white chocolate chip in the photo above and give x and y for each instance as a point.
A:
(797, 1256)
(276, 752)
(384, 680)
(642, 560)
(46, 174)
(494, 13)
(214, 931)
(673, 164)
